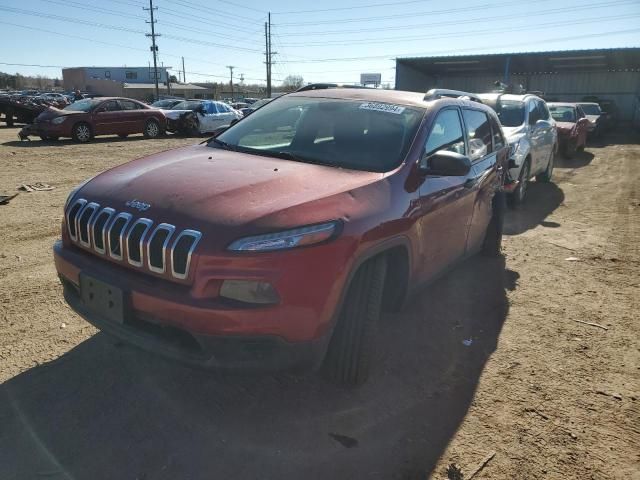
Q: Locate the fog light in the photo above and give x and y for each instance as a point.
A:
(249, 291)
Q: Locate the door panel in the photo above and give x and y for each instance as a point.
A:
(108, 119)
(445, 204)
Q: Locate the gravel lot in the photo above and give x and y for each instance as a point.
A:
(554, 398)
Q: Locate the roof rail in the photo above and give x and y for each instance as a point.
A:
(324, 86)
(436, 93)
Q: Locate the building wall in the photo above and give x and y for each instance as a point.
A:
(118, 74)
(104, 88)
(622, 87)
(73, 78)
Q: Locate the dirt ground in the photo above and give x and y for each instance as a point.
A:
(492, 359)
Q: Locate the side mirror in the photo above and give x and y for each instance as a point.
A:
(445, 164)
(543, 124)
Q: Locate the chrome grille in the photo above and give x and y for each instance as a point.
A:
(109, 233)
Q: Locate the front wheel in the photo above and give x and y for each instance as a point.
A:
(493, 238)
(570, 149)
(351, 346)
(548, 173)
(520, 193)
(81, 132)
(151, 129)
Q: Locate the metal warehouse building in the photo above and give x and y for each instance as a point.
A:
(609, 74)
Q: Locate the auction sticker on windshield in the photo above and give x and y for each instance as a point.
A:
(382, 107)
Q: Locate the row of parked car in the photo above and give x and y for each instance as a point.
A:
(84, 119)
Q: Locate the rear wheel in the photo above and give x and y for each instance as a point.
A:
(519, 194)
(493, 237)
(548, 173)
(349, 353)
(152, 129)
(81, 132)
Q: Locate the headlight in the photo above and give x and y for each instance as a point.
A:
(58, 120)
(297, 237)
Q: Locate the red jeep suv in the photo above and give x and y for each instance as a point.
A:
(276, 244)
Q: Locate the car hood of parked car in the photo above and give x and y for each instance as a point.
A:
(565, 126)
(593, 118)
(205, 187)
(53, 112)
(514, 134)
(175, 114)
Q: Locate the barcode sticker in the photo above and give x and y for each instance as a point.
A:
(382, 107)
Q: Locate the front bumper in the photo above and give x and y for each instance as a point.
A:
(49, 130)
(165, 318)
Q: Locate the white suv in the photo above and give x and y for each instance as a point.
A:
(532, 136)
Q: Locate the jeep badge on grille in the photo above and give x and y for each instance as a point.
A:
(138, 205)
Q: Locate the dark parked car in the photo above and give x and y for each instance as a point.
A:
(573, 126)
(85, 119)
(277, 243)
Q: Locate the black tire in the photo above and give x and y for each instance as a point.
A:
(493, 238)
(518, 196)
(152, 129)
(351, 346)
(44, 138)
(81, 132)
(569, 150)
(548, 173)
(123, 135)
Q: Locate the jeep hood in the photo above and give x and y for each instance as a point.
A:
(202, 187)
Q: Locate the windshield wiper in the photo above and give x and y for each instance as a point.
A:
(295, 158)
(225, 145)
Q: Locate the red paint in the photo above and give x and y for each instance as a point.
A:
(121, 122)
(228, 195)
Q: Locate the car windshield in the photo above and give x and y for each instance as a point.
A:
(511, 113)
(591, 108)
(188, 105)
(563, 113)
(85, 105)
(351, 134)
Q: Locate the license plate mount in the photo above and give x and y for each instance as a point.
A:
(102, 298)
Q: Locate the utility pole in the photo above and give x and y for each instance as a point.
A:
(267, 27)
(231, 67)
(154, 47)
(184, 74)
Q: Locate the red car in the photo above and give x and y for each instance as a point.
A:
(85, 119)
(573, 127)
(276, 244)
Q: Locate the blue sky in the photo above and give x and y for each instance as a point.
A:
(333, 40)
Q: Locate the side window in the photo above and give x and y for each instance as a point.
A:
(222, 108)
(534, 114)
(446, 134)
(479, 133)
(544, 111)
(127, 105)
(580, 112)
(109, 106)
(498, 139)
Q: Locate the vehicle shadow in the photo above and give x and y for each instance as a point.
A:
(542, 199)
(105, 410)
(37, 142)
(580, 159)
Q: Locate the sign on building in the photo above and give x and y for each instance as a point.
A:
(371, 79)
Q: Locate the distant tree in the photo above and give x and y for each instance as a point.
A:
(292, 82)
(173, 79)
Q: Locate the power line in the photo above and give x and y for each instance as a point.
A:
(454, 10)
(123, 29)
(355, 7)
(464, 50)
(466, 33)
(78, 37)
